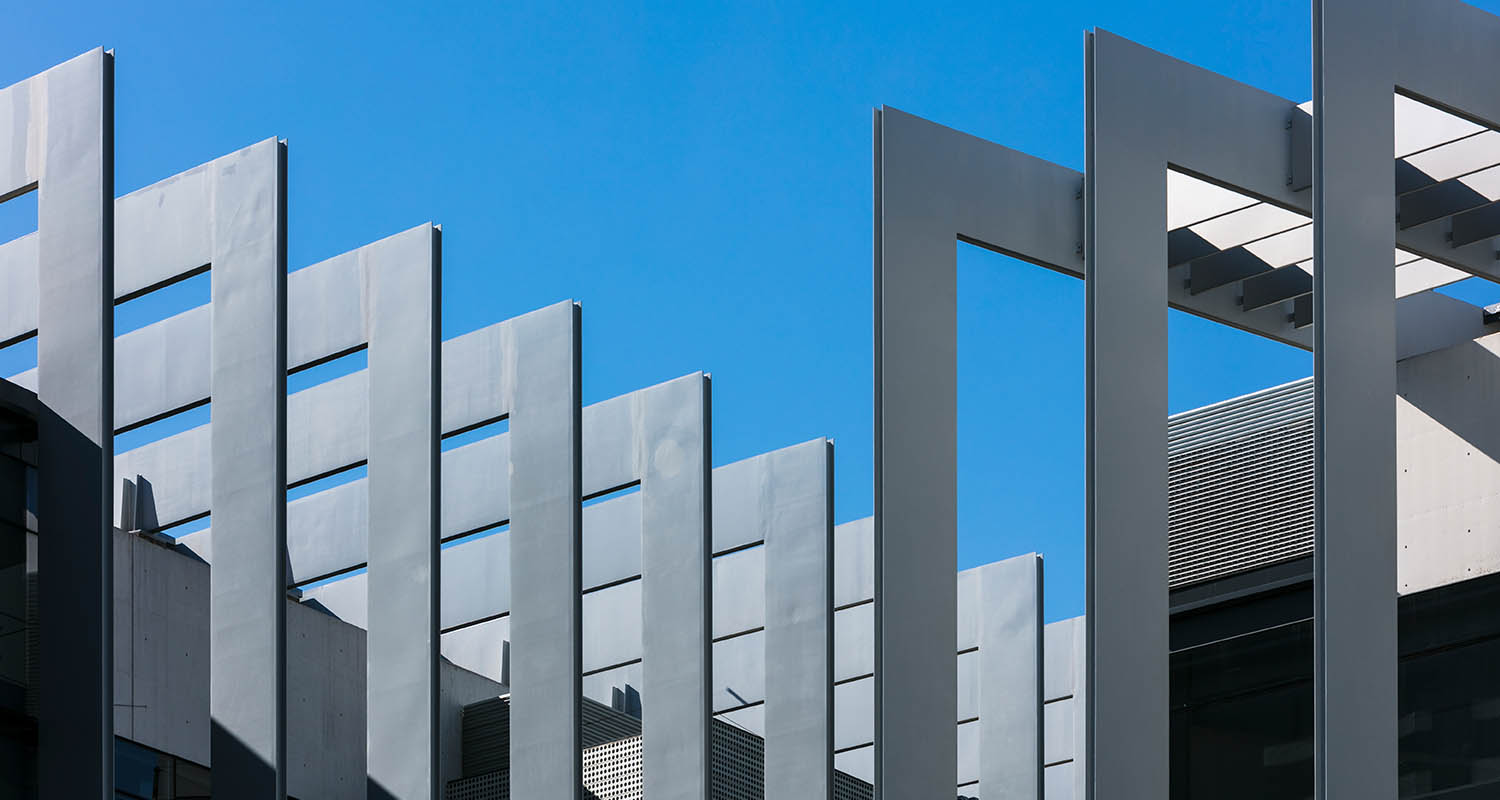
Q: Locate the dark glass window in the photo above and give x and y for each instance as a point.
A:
(144, 774)
(1242, 712)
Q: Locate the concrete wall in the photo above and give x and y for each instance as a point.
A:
(162, 678)
(1448, 464)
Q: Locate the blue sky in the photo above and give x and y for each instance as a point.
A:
(698, 176)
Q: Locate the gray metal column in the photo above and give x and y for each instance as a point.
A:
(404, 274)
(1010, 686)
(797, 494)
(546, 529)
(71, 116)
(673, 462)
(1126, 298)
(248, 595)
(916, 539)
(1354, 370)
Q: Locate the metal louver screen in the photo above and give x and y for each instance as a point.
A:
(1240, 484)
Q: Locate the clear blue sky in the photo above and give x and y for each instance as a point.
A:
(698, 176)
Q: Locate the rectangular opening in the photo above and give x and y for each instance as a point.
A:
(476, 433)
(182, 294)
(333, 578)
(18, 358)
(18, 214)
(331, 474)
(181, 529)
(1021, 395)
(164, 427)
(610, 494)
(324, 371)
(327, 482)
(1481, 292)
(476, 535)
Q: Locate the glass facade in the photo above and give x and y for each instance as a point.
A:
(1242, 704)
(145, 774)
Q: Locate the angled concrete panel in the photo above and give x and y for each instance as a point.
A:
(163, 367)
(404, 578)
(18, 288)
(797, 490)
(1010, 691)
(247, 604)
(672, 443)
(166, 229)
(546, 539)
(60, 136)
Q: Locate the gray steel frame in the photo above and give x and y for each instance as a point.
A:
(60, 141)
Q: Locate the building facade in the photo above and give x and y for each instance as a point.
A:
(379, 564)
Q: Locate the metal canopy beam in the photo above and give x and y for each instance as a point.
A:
(1280, 285)
(1476, 225)
(1223, 268)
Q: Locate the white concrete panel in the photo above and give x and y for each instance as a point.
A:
(1448, 459)
(968, 686)
(1060, 657)
(612, 626)
(854, 642)
(739, 591)
(969, 609)
(968, 756)
(327, 426)
(599, 686)
(854, 561)
(327, 304)
(478, 376)
(20, 159)
(1062, 781)
(178, 469)
(345, 598)
(857, 763)
(25, 380)
(853, 713)
(610, 447)
(480, 648)
(18, 286)
(739, 671)
(163, 366)
(164, 229)
(476, 485)
(752, 719)
(328, 531)
(739, 517)
(476, 579)
(612, 540)
(1060, 731)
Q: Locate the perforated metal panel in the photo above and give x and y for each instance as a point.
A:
(1240, 484)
